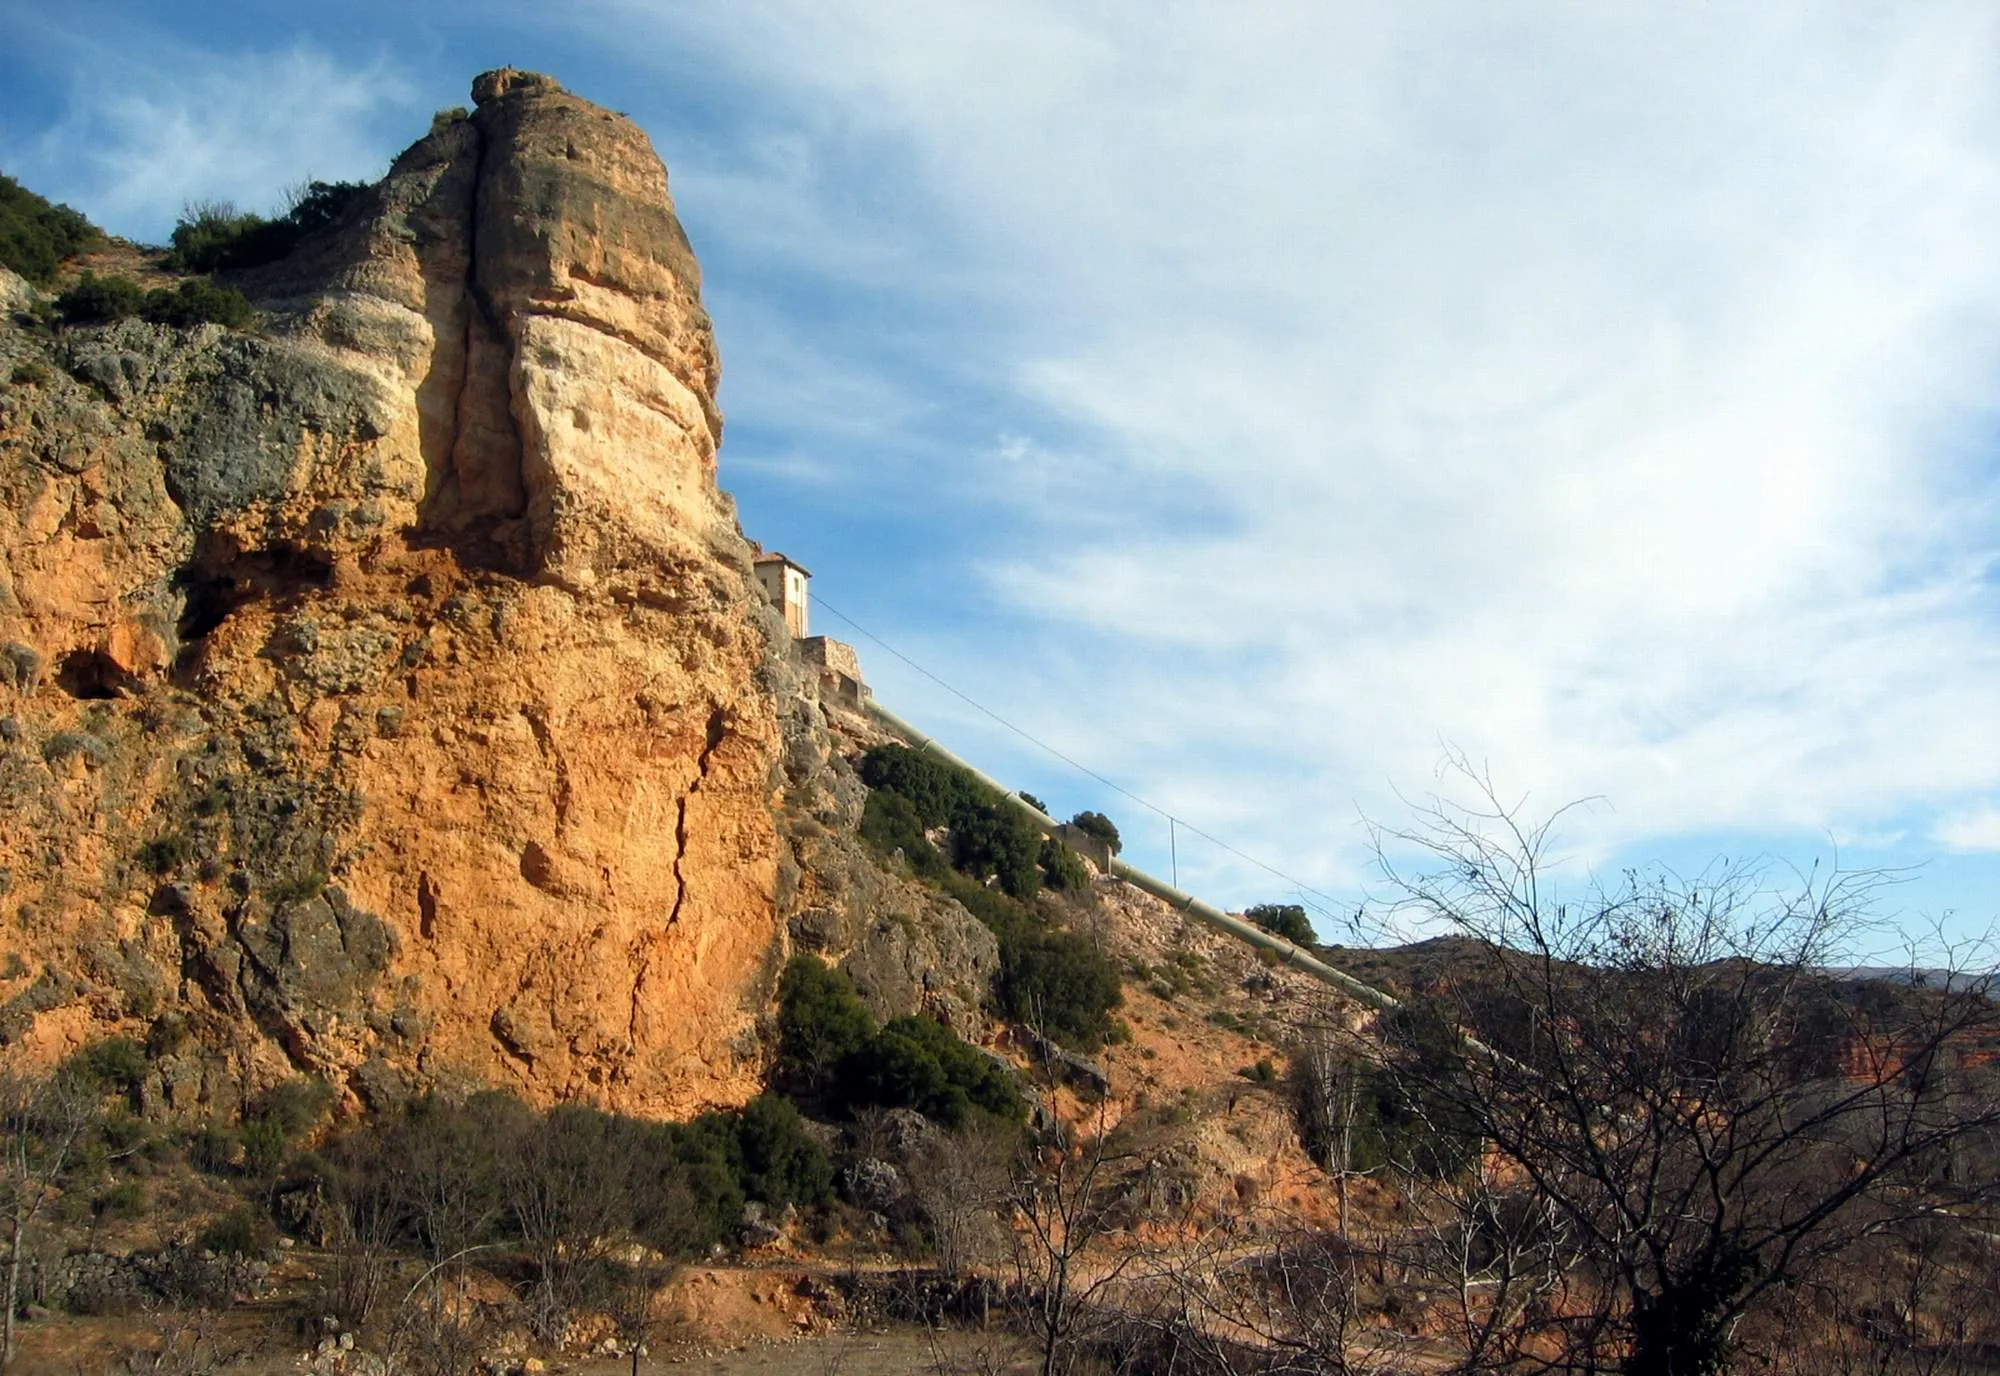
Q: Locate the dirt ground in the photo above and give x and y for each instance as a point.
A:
(71, 1349)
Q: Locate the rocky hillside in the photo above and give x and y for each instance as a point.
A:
(386, 695)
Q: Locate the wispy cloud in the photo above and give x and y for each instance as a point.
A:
(1973, 831)
(1605, 395)
(148, 131)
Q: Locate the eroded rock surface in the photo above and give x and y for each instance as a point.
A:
(389, 688)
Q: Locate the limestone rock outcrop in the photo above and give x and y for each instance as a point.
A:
(386, 695)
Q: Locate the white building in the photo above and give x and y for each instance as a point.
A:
(837, 668)
(785, 584)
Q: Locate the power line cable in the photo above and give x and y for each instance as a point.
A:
(1300, 885)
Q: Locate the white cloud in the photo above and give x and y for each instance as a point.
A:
(145, 135)
(1600, 391)
(1976, 830)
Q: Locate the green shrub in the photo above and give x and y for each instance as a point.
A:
(295, 1107)
(123, 1132)
(116, 1065)
(1036, 803)
(938, 791)
(198, 302)
(240, 1232)
(1287, 920)
(889, 823)
(1063, 869)
(98, 300)
(820, 1020)
(214, 236)
(917, 1062)
(164, 854)
(828, 1040)
(264, 1147)
(1047, 977)
(300, 888)
(779, 1161)
(1098, 825)
(212, 1148)
(319, 205)
(30, 374)
(989, 839)
(37, 236)
(689, 1193)
(126, 1199)
(1060, 983)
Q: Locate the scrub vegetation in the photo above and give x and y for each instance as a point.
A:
(994, 861)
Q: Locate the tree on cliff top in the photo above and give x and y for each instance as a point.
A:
(1098, 825)
(1287, 920)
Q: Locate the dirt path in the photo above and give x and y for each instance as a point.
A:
(889, 1352)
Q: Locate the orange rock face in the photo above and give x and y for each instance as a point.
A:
(387, 695)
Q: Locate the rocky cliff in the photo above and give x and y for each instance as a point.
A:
(386, 692)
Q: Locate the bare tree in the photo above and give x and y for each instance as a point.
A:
(958, 1180)
(1678, 1086)
(634, 1281)
(569, 1187)
(183, 1342)
(1074, 1253)
(44, 1120)
(1304, 1301)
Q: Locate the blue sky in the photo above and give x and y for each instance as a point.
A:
(1263, 402)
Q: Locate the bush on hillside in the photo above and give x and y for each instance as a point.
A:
(1287, 920)
(821, 1020)
(36, 235)
(198, 302)
(101, 300)
(98, 300)
(937, 791)
(1063, 869)
(777, 1160)
(1059, 983)
(890, 823)
(989, 840)
(214, 236)
(917, 1062)
(828, 1043)
(116, 1065)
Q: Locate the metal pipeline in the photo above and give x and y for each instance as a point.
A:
(1287, 953)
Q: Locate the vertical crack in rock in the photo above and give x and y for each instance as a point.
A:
(479, 493)
(718, 728)
(718, 731)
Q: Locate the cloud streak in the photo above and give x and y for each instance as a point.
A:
(1607, 397)
(147, 132)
